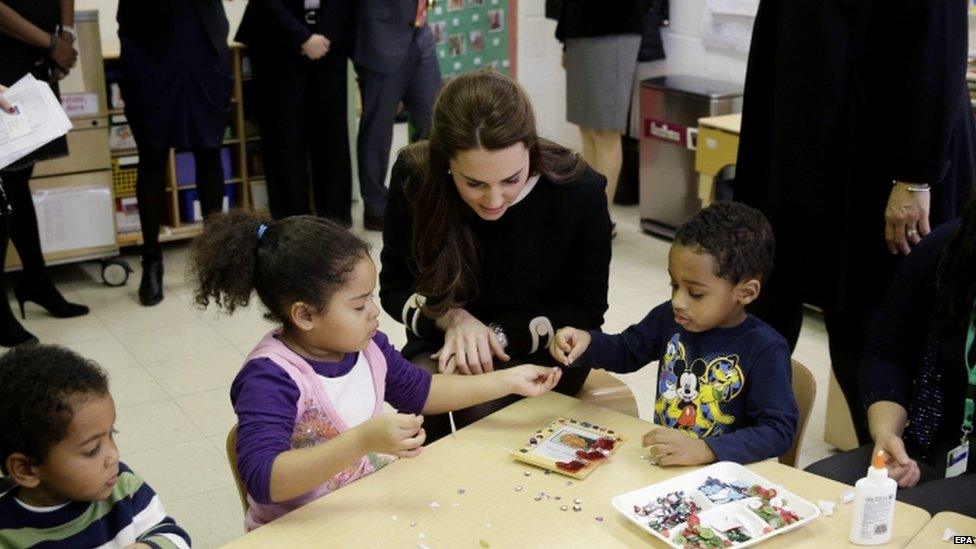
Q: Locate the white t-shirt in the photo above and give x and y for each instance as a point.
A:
(354, 394)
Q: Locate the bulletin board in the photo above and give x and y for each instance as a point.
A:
(474, 34)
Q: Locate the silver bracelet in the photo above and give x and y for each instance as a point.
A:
(914, 187)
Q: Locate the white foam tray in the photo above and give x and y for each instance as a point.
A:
(689, 483)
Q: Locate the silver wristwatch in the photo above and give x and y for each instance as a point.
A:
(500, 336)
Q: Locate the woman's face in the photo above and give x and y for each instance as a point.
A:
(490, 181)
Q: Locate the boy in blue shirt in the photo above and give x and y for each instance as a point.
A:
(725, 378)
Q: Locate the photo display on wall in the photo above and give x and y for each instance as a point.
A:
(471, 34)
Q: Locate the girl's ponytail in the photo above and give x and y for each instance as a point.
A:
(224, 258)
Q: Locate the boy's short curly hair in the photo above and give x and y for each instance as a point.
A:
(36, 387)
(737, 236)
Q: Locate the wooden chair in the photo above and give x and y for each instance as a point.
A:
(232, 460)
(805, 392)
(603, 389)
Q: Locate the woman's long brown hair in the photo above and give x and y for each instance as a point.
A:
(477, 110)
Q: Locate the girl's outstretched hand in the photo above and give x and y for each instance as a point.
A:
(530, 380)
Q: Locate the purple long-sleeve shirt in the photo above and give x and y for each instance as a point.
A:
(266, 401)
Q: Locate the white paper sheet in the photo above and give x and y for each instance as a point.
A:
(39, 120)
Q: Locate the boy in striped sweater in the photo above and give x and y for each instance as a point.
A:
(57, 448)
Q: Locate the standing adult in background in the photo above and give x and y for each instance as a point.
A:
(856, 138)
(298, 55)
(395, 60)
(36, 37)
(176, 84)
(602, 40)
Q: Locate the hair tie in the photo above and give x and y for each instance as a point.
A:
(261, 230)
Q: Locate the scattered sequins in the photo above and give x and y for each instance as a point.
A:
(527, 473)
(598, 518)
(557, 498)
(461, 491)
(434, 505)
(394, 517)
(577, 501)
(563, 508)
(421, 535)
(484, 543)
(412, 524)
(518, 488)
(577, 508)
(548, 472)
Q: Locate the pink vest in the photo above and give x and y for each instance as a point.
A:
(316, 421)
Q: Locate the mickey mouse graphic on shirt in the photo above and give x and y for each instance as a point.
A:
(690, 396)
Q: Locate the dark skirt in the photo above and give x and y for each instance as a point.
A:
(179, 99)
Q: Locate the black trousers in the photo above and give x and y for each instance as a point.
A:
(151, 190)
(934, 492)
(415, 82)
(301, 108)
(781, 306)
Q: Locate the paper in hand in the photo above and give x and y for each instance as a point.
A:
(38, 121)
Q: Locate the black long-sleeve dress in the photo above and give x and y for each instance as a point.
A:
(545, 263)
(842, 97)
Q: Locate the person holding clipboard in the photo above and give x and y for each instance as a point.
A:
(36, 37)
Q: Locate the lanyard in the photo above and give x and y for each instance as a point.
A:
(970, 405)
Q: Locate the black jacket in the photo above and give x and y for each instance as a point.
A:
(150, 24)
(590, 18)
(280, 25)
(548, 256)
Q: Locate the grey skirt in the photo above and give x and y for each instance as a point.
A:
(599, 80)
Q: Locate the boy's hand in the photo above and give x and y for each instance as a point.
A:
(903, 469)
(530, 380)
(672, 447)
(568, 344)
(398, 434)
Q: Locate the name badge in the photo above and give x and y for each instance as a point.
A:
(957, 460)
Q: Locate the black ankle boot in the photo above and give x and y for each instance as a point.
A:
(151, 287)
(40, 290)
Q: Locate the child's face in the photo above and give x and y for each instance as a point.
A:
(701, 300)
(351, 318)
(84, 466)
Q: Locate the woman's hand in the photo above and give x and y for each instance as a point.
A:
(906, 218)
(672, 447)
(903, 469)
(64, 55)
(397, 434)
(316, 47)
(569, 344)
(530, 380)
(4, 104)
(468, 345)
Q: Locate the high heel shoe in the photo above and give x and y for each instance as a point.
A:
(151, 286)
(43, 292)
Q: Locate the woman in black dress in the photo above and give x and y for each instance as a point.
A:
(30, 42)
(493, 238)
(176, 85)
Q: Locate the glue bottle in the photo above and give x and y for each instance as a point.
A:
(874, 505)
